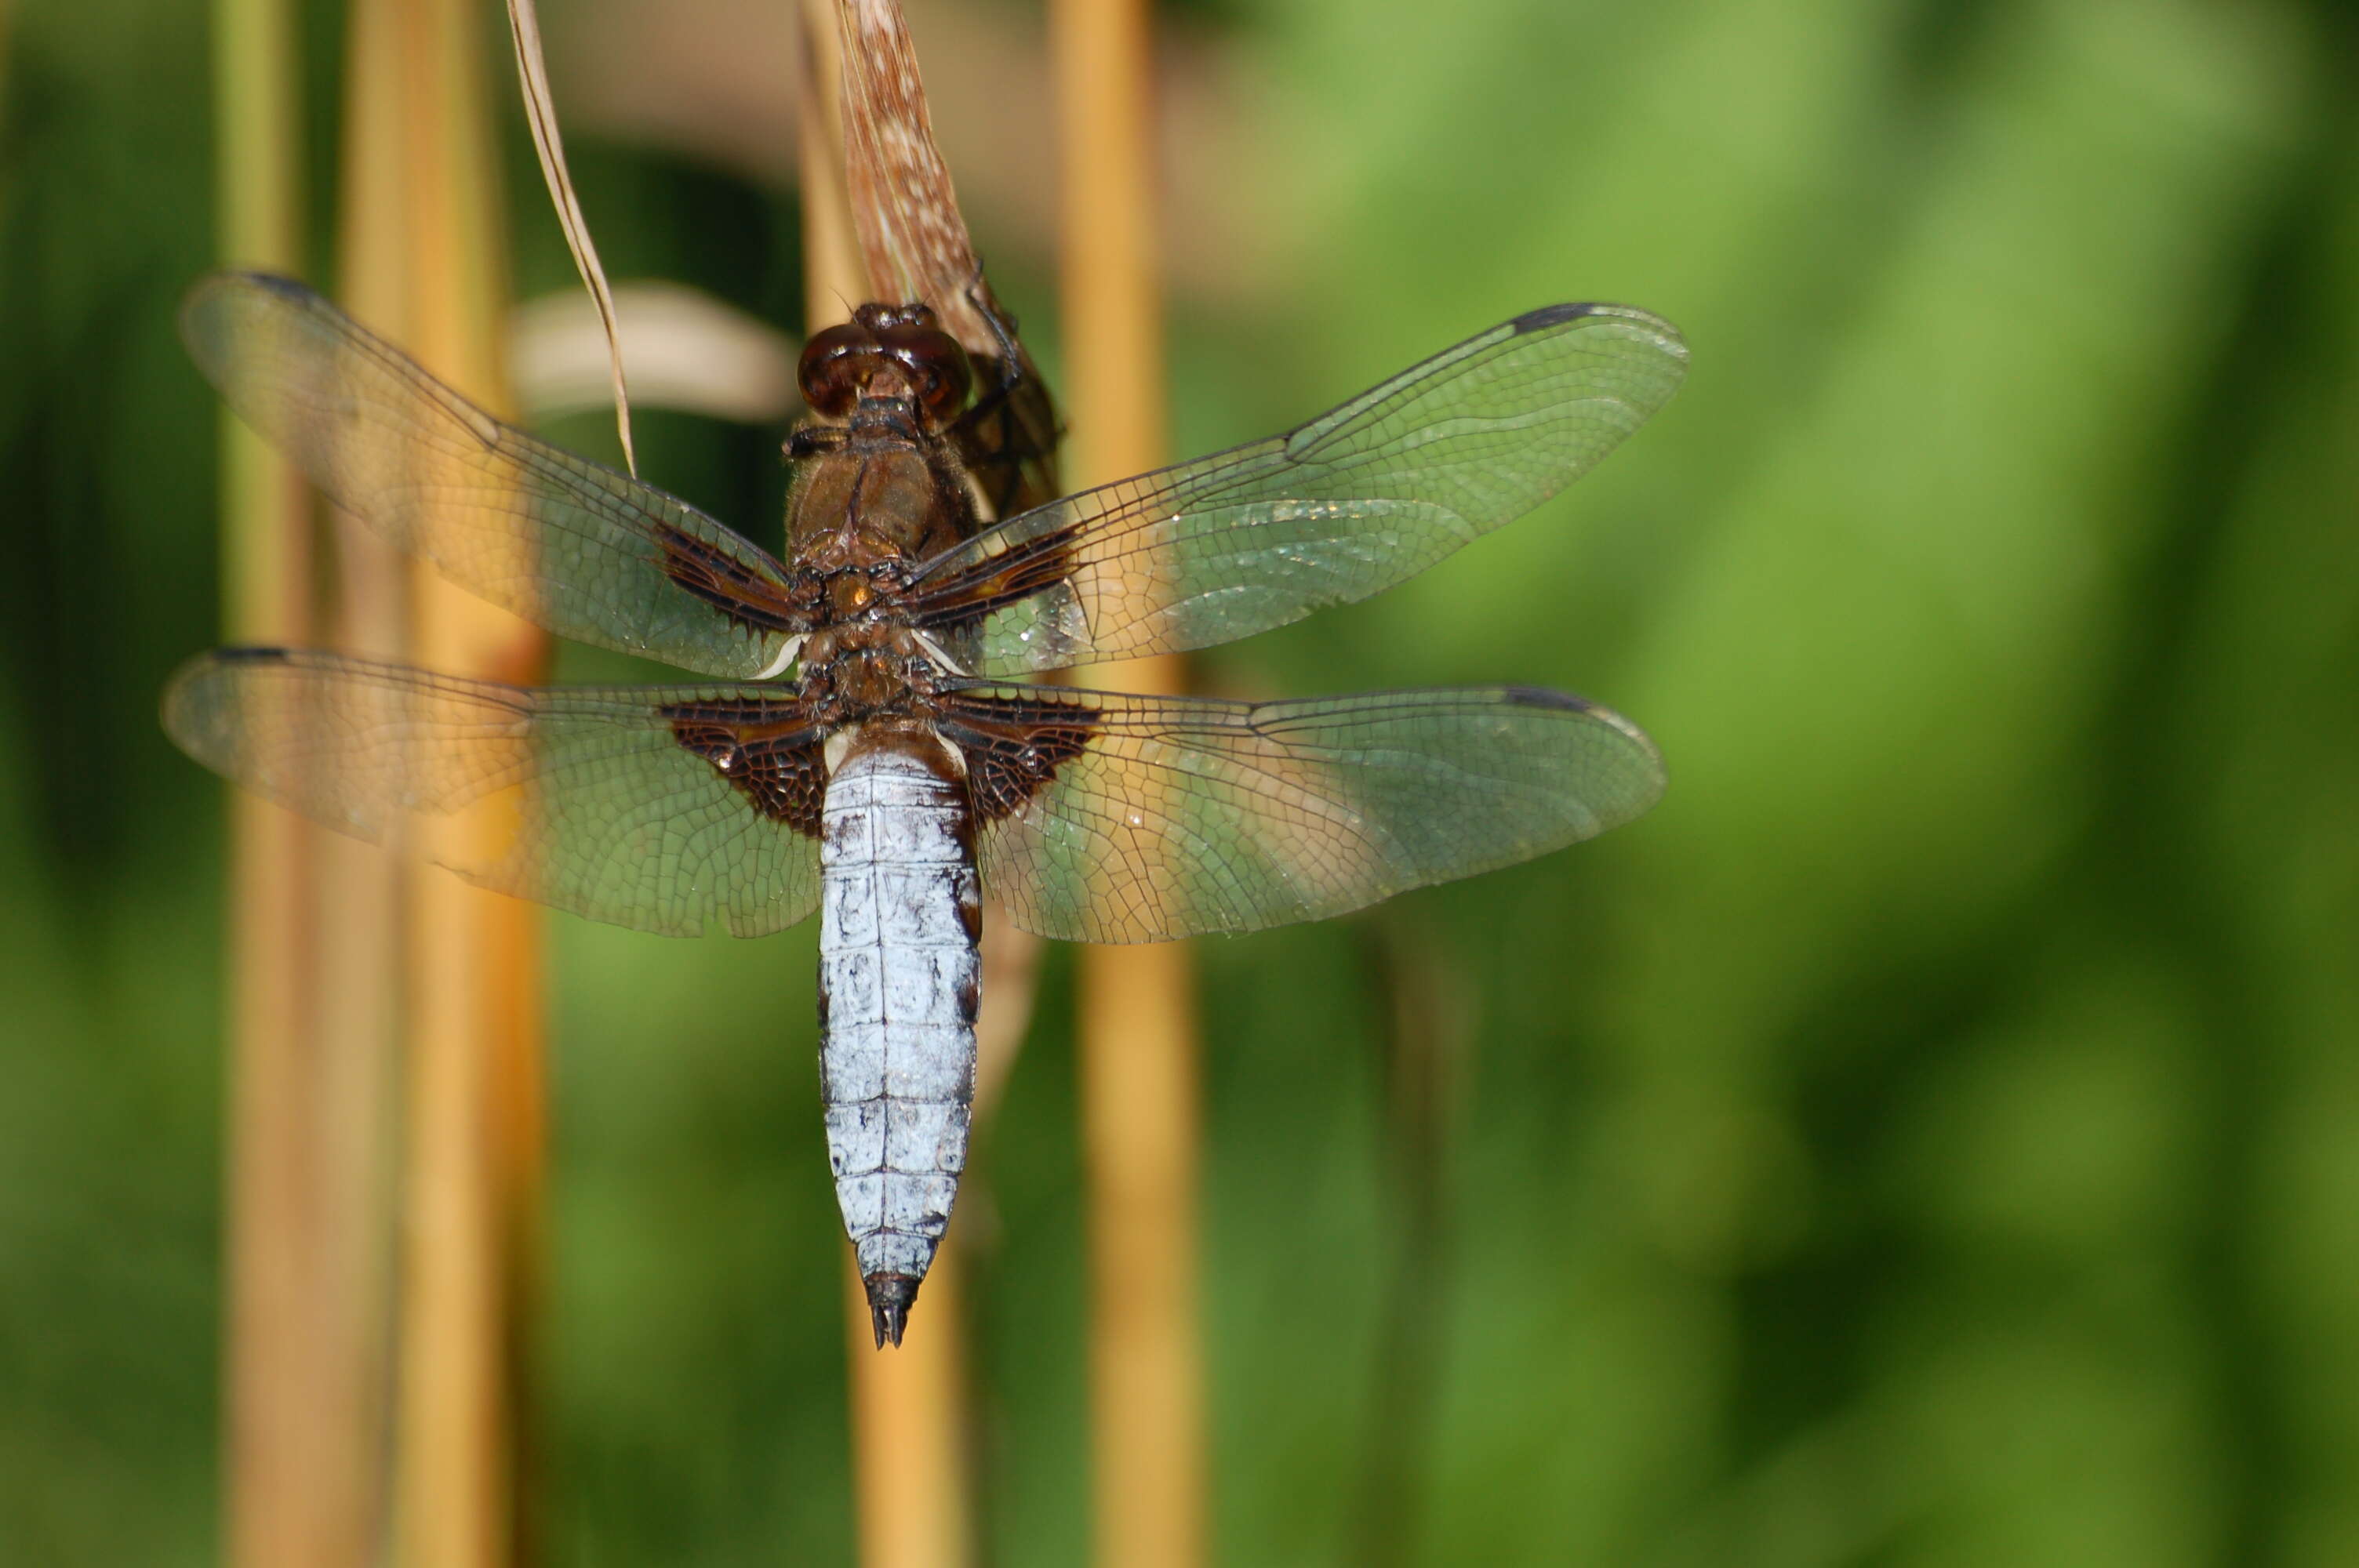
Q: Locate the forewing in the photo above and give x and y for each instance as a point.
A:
(567, 544)
(1104, 818)
(655, 807)
(1353, 501)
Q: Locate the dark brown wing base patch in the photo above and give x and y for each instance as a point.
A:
(769, 750)
(1036, 564)
(1013, 746)
(725, 584)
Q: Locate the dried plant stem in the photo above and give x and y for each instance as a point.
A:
(424, 265)
(912, 1493)
(1136, 1025)
(540, 113)
(1136, 1028)
(835, 277)
(304, 1343)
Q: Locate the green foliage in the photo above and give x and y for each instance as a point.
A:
(1925, 1140)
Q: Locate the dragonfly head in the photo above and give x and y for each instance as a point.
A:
(891, 353)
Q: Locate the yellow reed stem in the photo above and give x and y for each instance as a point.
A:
(355, 916)
(304, 1340)
(911, 1486)
(424, 265)
(1136, 1024)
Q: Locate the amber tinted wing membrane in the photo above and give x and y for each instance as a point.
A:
(1352, 502)
(609, 802)
(1113, 818)
(571, 545)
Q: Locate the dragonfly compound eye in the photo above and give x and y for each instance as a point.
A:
(836, 366)
(937, 368)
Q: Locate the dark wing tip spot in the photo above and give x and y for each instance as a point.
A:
(273, 282)
(1541, 697)
(1553, 316)
(196, 724)
(210, 314)
(234, 279)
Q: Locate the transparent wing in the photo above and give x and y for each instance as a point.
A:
(603, 801)
(1353, 501)
(569, 546)
(1110, 819)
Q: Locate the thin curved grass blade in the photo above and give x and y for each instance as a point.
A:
(540, 112)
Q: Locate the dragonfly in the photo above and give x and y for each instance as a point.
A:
(859, 743)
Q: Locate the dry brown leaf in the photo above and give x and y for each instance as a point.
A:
(915, 242)
(903, 204)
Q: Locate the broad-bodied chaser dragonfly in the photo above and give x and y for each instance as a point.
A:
(856, 746)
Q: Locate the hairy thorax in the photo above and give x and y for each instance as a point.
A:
(873, 498)
(867, 669)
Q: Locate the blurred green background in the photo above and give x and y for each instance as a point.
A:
(1931, 1137)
